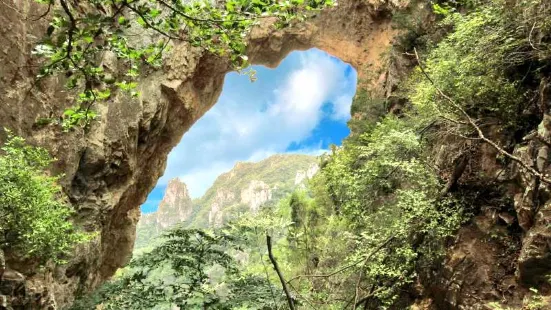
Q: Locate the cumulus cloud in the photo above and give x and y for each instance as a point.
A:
(252, 121)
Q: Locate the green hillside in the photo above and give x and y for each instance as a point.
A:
(276, 176)
(278, 172)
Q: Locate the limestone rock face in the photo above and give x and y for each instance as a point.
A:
(533, 207)
(306, 175)
(175, 207)
(253, 196)
(248, 186)
(242, 190)
(256, 194)
(223, 197)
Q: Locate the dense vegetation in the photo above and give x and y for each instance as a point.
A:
(33, 217)
(192, 269)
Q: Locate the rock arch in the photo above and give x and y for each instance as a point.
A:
(110, 169)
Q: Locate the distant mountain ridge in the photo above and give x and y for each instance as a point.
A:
(245, 188)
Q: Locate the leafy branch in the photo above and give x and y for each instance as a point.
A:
(81, 32)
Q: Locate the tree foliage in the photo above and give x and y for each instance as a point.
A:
(383, 187)
(34, 220)
(191, 269)
(488, 62)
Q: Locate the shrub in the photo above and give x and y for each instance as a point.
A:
(34, 221)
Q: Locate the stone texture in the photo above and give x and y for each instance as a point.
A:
(302, 176)
(533, 207)
(256, 194)
(223, 198)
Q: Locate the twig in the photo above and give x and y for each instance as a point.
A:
(133, 9)
(481, 135)
(302, 296)
(279, 274)
(377, 249)
(196, 19)
(368, 296)
(530, 37)
(45, 13)
(72, 28)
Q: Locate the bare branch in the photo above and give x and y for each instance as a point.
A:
(72, 27)
(279, 274)
(375, 251)
(530, 37)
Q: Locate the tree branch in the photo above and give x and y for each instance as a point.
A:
(184, 15)
(473, 124)
(377, 249)
(133, 9)
(72, 27)
(45, 13)
(279, 274)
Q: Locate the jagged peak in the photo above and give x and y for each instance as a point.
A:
(175, 189)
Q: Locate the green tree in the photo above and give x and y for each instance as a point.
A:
(191, 269)
(34, 220)
(487, 65)
(396, 218)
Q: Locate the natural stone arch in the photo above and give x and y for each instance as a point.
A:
(355, 32)
(110, 169)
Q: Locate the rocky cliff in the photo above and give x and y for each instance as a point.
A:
(243, 189)
(175, 207)
(248, 186)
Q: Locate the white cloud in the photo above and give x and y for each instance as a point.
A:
(341, 107)
(253, 121)
(199, 180)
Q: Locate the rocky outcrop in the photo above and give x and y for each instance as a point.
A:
(223, 198)
(256, 194)
(242, 190)
(307, 174)
(506, 248)
(175, 207)
(253, 196)
(248, 186)
(533, 205)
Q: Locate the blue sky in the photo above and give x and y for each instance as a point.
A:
(301, 106)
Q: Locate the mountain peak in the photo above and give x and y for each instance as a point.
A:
(175, 207)
(175, 189)
(245, 188)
